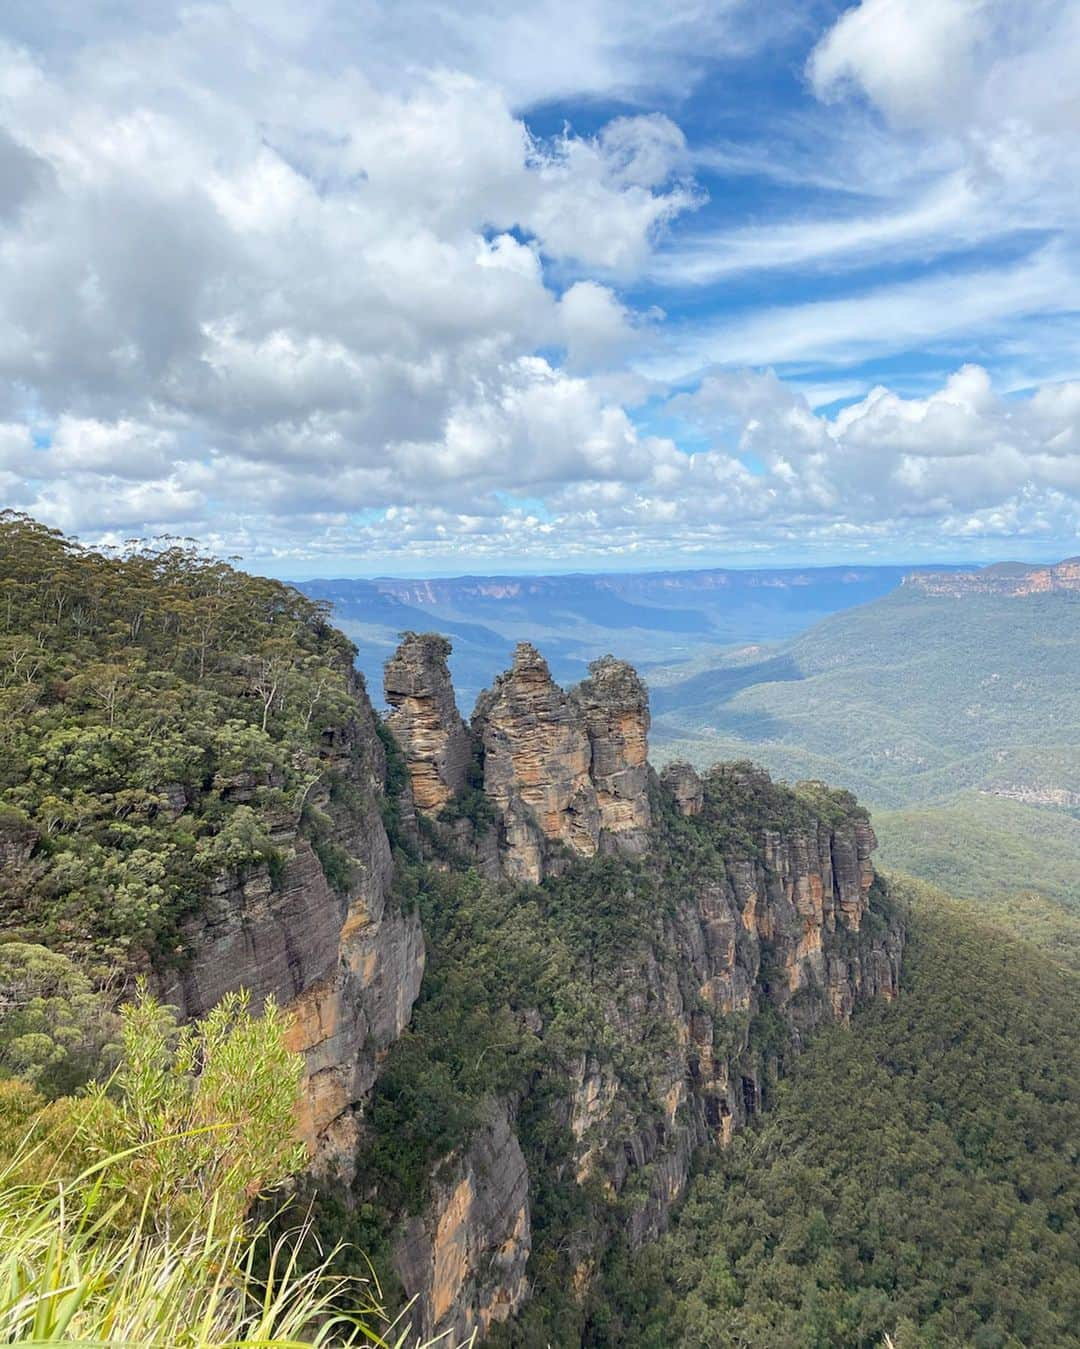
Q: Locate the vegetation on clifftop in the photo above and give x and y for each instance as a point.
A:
(159, 711)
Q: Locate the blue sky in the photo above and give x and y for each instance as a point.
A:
(364, 287)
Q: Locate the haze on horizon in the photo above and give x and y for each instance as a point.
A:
(415, 289)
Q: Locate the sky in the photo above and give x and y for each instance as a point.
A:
(413, 287)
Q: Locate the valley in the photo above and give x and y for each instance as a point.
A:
(571, 1049)
(653, 618)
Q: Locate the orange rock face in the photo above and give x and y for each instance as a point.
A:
(1013, 580)
(425, 720)
(537, 758)
(614, 704)
(567, 769)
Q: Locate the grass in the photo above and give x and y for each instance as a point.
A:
(69, 1276)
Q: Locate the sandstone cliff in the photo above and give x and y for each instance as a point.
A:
(1010, 579)
(464, 1260)
(346, 962)
(750, 918)
(425, 720)
(566, 773)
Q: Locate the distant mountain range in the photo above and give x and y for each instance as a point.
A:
(652, 618)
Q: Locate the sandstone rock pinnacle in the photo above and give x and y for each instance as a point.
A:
(614, 703)
(685, 786)
(425, 720)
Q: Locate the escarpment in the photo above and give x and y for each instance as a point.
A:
(1010, 579)
(342, 958)
(620, 964)
(698, 928)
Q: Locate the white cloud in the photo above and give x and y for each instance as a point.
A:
(973, 303)
(914, 58)
(307, 296)
(945, 126)
(964, 448)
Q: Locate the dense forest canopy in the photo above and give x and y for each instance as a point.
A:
(158, 710)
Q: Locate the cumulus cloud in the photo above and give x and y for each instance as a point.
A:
(271, 285)
(961, 451)
(915, 58)
(289, 288)
(994, 77)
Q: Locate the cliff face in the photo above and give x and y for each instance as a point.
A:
(345, 963)
(1008, 579)
(759, 924)
(763, 919)
(464, 1259)
(754, 920)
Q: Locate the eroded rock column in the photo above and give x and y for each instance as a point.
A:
(537, 757)
(614, 704)
(425, 719)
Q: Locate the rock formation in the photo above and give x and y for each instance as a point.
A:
(537, 759)
(773, 918)
(464, 1259)
(614, 704)
(778, 920)
(425, 720)
(566, 772)
(1010, 579)
(687, 789)
(346, 966)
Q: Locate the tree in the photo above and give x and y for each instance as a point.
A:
(56, 1031)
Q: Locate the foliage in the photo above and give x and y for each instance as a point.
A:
(56, 1030)
(76, 1271)
(122, 1210)
(199, 1119)
(928, 707)
(917, 1176)
(908, 699)
(985, 848)
(158, 710)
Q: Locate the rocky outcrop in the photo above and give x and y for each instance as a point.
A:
(537, 758)
(345, 964)
(614, 705)
(785, 929)
(566, 773)
(686, 788)
(464, 1260)
(764, 917)
(18, 839)
(1010, 579)
(425, 720)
